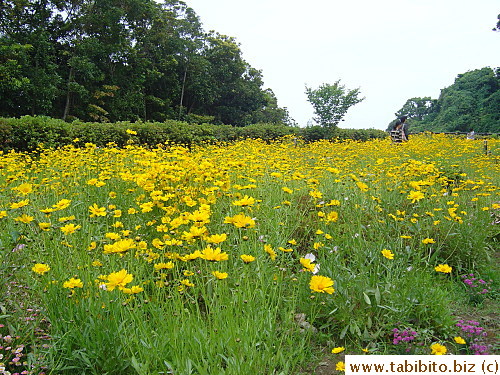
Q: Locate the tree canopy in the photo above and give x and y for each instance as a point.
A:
(331, 102)
(472, 102)
(112, 60)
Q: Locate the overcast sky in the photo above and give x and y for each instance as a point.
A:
(392, 50)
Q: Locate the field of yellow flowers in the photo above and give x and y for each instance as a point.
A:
(242, 258)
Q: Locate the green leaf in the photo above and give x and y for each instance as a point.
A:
(377, 295)
(344, 331)
(367, 299)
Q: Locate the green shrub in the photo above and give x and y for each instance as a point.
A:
(29, 132)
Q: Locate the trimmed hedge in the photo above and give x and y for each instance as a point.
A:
(31, 132)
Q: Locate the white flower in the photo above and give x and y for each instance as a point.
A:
(310, 256)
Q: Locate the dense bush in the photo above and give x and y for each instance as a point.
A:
(28, 133)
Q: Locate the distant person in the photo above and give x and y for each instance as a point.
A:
(402, 127)
(471, 135)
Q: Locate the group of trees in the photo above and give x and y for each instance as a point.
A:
(472, 102)
(111, 60)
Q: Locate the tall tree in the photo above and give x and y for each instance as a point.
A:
(331, 102)
(30, 24)
(470, 103)
(417, 108)
(112, 60)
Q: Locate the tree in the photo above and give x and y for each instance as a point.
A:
(417, 108)
(271, 113)
(470, 103)
(124, 60)
(331, 102)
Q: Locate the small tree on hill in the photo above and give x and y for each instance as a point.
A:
(331, 102)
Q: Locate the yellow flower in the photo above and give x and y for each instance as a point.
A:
(362, 186)
(427, 241)
(24, 189)
(19, 204)
(338, 349)
(186, 282)
(44, 226)
(247, 258)
(269, 249)
(415, 196)
(97, 263)
(332, 216)
(388, 254)
(307, 264)
(321, 284)
(318, 245)
(70, 228)
(459, 340)
(246, 201)
(73, 283)
(40, 268)
(444, 268)
(95, 210)
(120, 246)
(163, 266)
(220, 275)
(118, 280)
(213, 254)
(216, 238)
(112, 235)
(340, 366)
(133, 290)
(26, 219)
(66, 218)
(316, 194)
(62, 204)
(438, 349)
(3, 214)
(287, 190)
(131, 132)
(240, 221)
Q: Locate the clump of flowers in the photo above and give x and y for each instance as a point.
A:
(474, 333)
(477, 288)
(12, 355)
(404, 338)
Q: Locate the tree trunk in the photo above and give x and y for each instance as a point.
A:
(68, 95)
(182, 91)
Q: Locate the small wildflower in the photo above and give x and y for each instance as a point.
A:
(340, 366)
(438, 349)
(73, 283)
(338, 349)
(220, 275)
(459, 340)
(388, 254)
(444, 268)
(321, 284)
(40, 268)
(247, 258)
